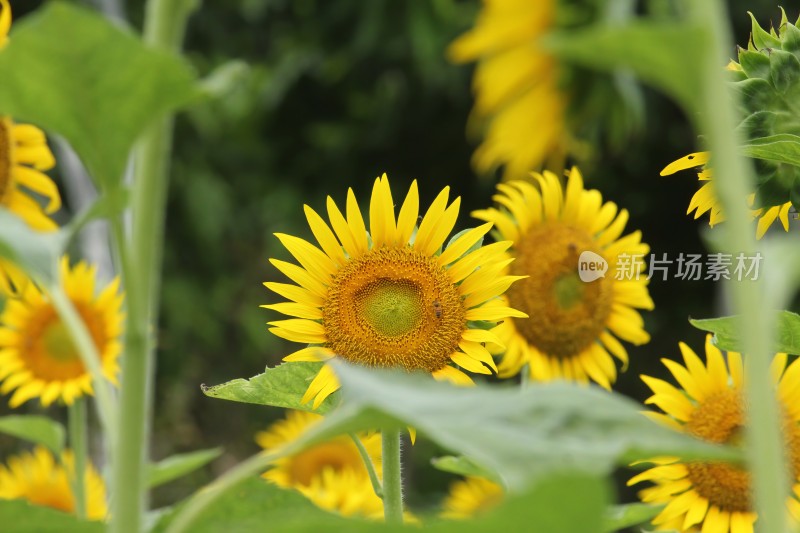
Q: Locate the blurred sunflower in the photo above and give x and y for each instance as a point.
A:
(331, 474)
(705, 199)
(390, 297)
(23, 156)
(516, 86)
(534, 108)
(37, 478)
(37, 356)
(471, 496)
(714, 496)
(573, 324)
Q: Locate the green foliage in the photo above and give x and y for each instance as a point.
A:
(282, 386)
(18, 516)
(177, 466)
(782, 148)
(37, 429)
(622, 516)
(727, 334)
(90, 81)
(669, 57)
(462, 466)
(37, 253)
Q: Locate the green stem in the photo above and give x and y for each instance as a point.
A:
(165, 25)
(373, 476)
(89, 356)
(78, 444)
(392, 477)
(733, 177)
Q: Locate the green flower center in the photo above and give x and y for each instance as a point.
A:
(391, 307)
(58, 343)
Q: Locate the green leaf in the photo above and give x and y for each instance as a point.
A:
(756, 94)
(631, 514)
(462, 466)
(91, 81)
(761, 38)
(522, 435)
(667, 56)
(282, 386)
(790, 39)
(754, 64)
(567, 503)
(35, 252)
(18, 516)
(34, 428)
(784, 69)
(781, 148)
(177, 466)
(726, 332)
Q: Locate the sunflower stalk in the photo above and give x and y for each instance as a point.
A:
(392, 477)
(764, 450)
(373, 475)
(164, 28)
(77, 423)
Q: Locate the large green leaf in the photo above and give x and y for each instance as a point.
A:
(462, 466)
(631, 514)
(781, 148)
(36, 253)
(177, 466)
(91, 81)
(282, 386)
(727, 332)
(38, 429)
(567, 503)
(667, 56)
(18, 516)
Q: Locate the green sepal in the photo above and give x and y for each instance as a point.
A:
(784, 70)
(755, 64)
(790, 39)
(758, 124)
(756, 94)
(761, 38)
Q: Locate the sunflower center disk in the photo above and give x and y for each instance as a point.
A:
(391, 307)
(567, 315)
(58, 343)
(720, 419)
(5, 157)
(394, 307)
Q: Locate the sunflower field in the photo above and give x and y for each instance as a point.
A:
(385, 265)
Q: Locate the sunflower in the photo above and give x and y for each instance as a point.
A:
(23, 156)
(37, 478)
(705, 199)
(573, 325)
(37, 356)
(390, 298)
(331, 474)
(516, 86)
(710, 406)
(471, 496)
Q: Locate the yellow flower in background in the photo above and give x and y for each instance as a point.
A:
(710, 406)
(37, 356)
(573, 325)
(331, 474)
(516, 87)
(391, 297)
(471, 496)
(37, 478)
(705, 199)
(23, 156)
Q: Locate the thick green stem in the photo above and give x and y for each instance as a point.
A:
(373, 476)
(392, 477)
(733, 179)
(89, 356)
(165, 24)
(80, 451)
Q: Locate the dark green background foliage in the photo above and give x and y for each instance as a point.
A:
(335, 93)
